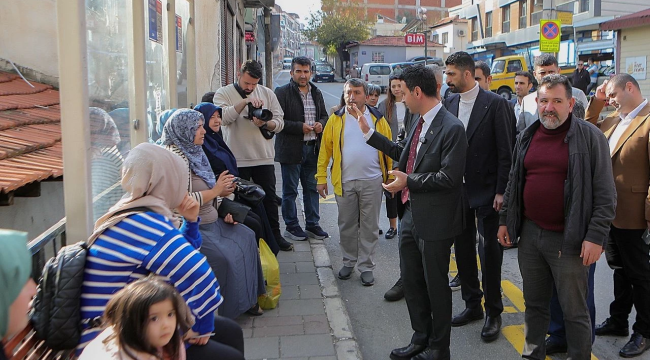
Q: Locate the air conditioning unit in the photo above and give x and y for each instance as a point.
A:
(461, 32)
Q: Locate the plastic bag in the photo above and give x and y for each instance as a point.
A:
(271, 270)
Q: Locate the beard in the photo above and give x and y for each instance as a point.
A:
(550, 120)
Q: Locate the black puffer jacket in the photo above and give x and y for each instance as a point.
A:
(288, 142)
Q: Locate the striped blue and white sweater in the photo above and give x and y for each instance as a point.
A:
(147, 243)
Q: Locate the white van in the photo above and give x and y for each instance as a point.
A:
(286, 63)
(376, 73)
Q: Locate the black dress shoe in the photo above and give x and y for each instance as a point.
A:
(283, 244)
(491, 328)
(467, 316)
(396, 292)
(607, 327)
(433, 354)
(407, 352)
(554, 347)
(635, 347)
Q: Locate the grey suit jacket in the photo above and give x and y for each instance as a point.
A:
(436, 182)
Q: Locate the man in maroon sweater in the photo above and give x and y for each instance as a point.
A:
(559, 202)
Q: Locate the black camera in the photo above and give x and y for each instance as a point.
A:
(260, 113)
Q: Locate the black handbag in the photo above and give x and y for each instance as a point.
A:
(237, 210)
(249, 191)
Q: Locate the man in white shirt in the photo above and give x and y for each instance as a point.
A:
(523, 84)
(545, 64)
(593, 75)
(357, 172)
(627, 252)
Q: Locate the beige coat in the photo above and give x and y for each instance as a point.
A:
(630, 164)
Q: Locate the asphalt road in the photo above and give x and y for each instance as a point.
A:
(380, 326)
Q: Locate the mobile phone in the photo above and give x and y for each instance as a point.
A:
(646, 237)
(202, 336)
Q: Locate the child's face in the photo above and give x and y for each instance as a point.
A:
(373, 99)
(162, 323)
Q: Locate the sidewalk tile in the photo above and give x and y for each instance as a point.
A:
(288, 257)
(302, 307)
(245, 321)
(306, 345)
(322, 358)
(266, 331)
(264, 321)
(289, 292)
(316, 324)
(300, 246)
(299, 279)
(247, 333)
(262, 348)
(305, 267)
(287, 268)
(310, 292)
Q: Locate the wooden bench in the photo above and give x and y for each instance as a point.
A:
(25, 346)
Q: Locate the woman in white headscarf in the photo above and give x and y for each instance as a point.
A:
(146, 241)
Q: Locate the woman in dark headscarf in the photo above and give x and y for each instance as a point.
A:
(222, 159)
(231, 251)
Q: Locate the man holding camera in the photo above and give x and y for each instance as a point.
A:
(296, 149)
(250, 138)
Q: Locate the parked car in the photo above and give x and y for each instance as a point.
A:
(286, 63)
(376, 73)
(430, 60)
(323, 72)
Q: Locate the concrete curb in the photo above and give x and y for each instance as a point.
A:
(345, 344)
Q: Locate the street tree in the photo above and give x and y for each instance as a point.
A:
(336, 25)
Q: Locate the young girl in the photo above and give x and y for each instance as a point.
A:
(146, 320)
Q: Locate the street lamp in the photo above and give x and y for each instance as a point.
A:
(421, 15)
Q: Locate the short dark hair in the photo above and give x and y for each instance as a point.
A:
(372, 88)
(422, 77)
(483, 66)
(462, 60)
(355, 82)
(578, 110)
(300, 60)
(545, 60)
(619, 80)
(552, 80)
(208, 97)
(253, 68)
(526, 74)
(591, 59)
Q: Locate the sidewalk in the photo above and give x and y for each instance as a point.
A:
(310, 321)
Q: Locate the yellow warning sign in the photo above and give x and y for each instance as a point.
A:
(549, 36)
(565, 17)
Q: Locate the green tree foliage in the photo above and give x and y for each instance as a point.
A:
(336, 25)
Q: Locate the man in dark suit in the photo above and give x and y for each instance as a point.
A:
(431, 167)
(490, 127)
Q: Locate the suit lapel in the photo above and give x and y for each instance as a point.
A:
(638, 120)
(432, 132)
(479, 110)
(454, 103)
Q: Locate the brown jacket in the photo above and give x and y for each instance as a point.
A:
(630, 164)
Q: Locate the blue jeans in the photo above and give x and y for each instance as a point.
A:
(556, 328)
(304, 172)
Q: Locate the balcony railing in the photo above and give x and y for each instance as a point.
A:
(45, 246)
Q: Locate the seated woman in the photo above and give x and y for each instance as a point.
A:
(139, 236)
(222, 159)
(230, 250)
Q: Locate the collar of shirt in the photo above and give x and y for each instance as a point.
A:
(471, 94)
(430, 115)
(629, 117)
(366, 113)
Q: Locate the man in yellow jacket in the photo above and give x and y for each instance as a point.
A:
(357, 172)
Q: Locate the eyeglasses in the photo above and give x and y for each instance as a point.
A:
(580, 64)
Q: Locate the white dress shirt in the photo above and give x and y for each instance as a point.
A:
(626, 120)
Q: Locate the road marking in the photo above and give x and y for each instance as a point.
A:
(338, 97)
(515, 295)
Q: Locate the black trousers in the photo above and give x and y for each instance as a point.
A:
(264, 176)
(391, 206)
(491, 257)
(424, 266)
(226, 344)
(629, 256)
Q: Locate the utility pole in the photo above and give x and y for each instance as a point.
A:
(422, 16)
(268, 53)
